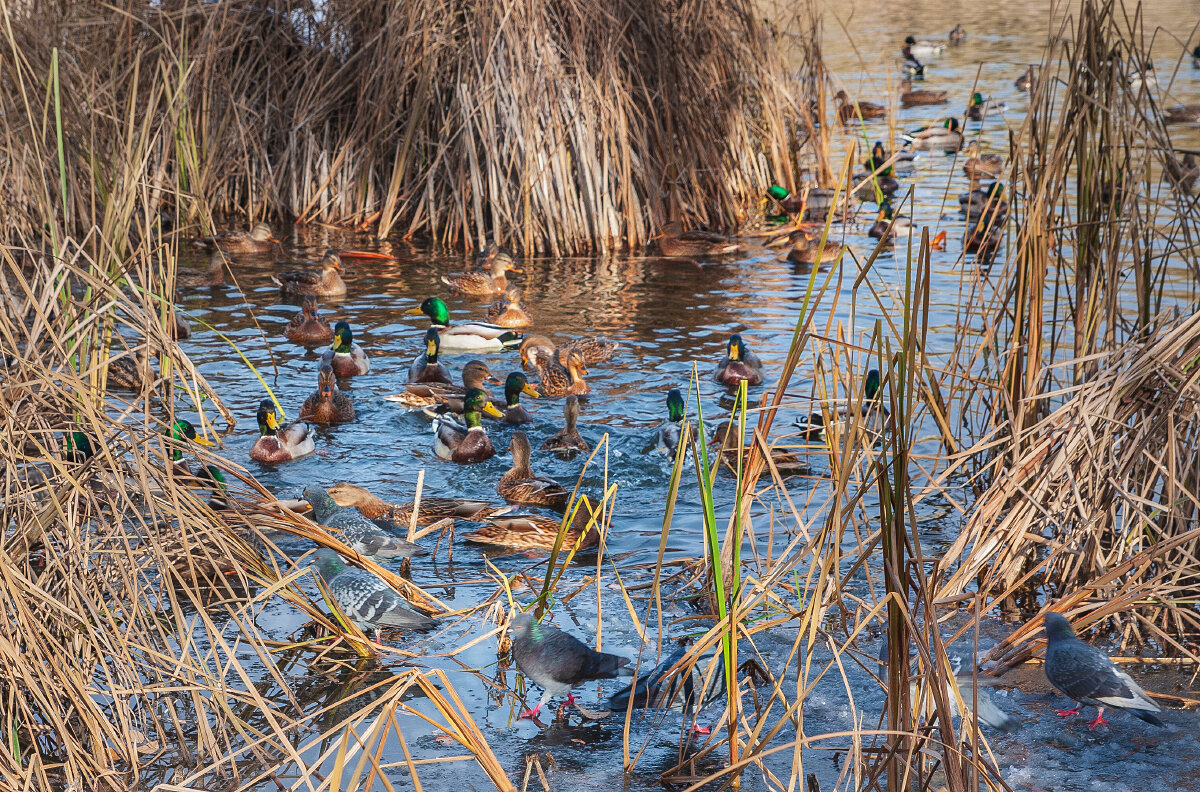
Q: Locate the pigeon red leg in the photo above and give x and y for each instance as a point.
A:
(1066, 713)
(1099, 720)
(570, 700)
(531, 713)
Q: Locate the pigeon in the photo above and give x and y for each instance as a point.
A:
(986, 708)
(682, 690)
(365, 599)
(1086, 675)
(557, 661)
(362, 535)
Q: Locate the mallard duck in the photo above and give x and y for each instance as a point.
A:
(129, 372)
(558, 379)
(945, 136)
(79, 447)
(392, 517)
(677, 243)
(978, 107)
(984, 200)
(738, 364)
(468, 336)
(890, 226)
(1142, 75)
(848, 110)
(508, 311)
(1182, 114)
(345, 357)
(279, 443)
(591, 350)
(984, 237)
(178, 329)
(494, 281)
(327, 405)
(909, 64)
(258, 240)
(910, 97)
(958, 35)
(788, 203)
(535, 532)
(535, 346)
(426, 367)
(671, 431)
(880, 159)
(181, 432)
(520, 485)
(1182, 175)
(515, 412)
(446, 398)
(1028, 81)
(809, 249)
(979, 166)
(812, 427)
(214, 478)
(214, 275)
(924, 48)
(324, 282)
(874, 185)
(469, 443)
(307, 327)
(568, 440)
(725, 442)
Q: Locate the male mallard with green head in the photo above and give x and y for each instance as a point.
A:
(493, 281)
(426, 368)
(943, 136)
(469, 443)
(279, 443)
(739, 364)
(327, 405)
(467, 336)
(521, 485)
(515, 412)
(670, 433)
(345, 357)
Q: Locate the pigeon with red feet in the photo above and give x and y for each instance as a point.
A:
(1090, 678)
(557, 661)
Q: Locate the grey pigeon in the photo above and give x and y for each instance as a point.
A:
(364, 536)
(557, 661)
(682, 690)
(365, 599)
(1086, 675)
(986, 708)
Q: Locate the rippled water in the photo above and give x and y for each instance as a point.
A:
(669, 316)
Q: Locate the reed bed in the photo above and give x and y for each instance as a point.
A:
(549, 126)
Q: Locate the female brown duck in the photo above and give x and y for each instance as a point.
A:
(557, 379)
(307, 327)
(568, 440)
(327, 405)
(509, 311)
(521, 485)
(324, 282)
(397, 517)
(494, 281)
(258, 240)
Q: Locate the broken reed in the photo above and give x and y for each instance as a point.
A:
(551, 125)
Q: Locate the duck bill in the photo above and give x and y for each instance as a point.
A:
(202, 441)
(529, 390)
(518, 271)
(492, 379)
(489, 409)
(414, 311)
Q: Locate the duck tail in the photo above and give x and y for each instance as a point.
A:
(509, 339)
